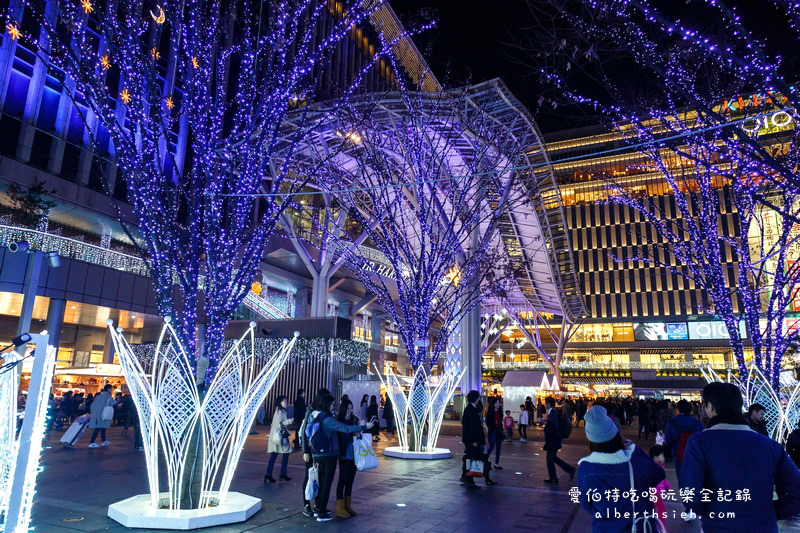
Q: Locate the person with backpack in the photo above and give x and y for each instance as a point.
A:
(320, 431)
(552, 441)
(678, 430)
(308, 508)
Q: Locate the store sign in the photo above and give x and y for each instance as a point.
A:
(681, 331)
(713, 330)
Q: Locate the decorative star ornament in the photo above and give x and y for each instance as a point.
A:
(195, 64)
(87, 6)
(161, 15)
(105, 62)
(125, 96)
(154, 53)
(169, 103)
(13, 31)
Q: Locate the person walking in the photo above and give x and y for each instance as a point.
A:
(552, 443)
(474, 440)
(580, 412)
(522, 428)
(279, 440)
(324, 445)
(372, 411)
(494, 430)
(678, 431)
(299, 415)
(308, 461)
(97, 422)
(730, 458)
(347, 461)
(616, 466)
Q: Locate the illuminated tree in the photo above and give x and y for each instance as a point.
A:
(432, 177)
(705, 98)
(192, 96)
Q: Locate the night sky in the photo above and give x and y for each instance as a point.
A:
(474, 41)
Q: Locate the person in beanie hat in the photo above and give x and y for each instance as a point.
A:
(610, 466)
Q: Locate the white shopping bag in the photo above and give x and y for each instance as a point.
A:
(312, 487)
(364, 454)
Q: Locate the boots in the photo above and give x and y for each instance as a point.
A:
(341, 512)
(347, 500)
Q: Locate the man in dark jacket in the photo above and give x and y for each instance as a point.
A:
(729, 470)
(755, 418)
(552, 443)
(678, 431)
(473, 438)
(299, 410)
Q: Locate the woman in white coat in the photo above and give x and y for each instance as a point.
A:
(279, 440)
(97, 422)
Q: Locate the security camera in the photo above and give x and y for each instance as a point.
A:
(53, 259)
(19, 246)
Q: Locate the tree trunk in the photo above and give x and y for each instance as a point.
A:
(193, 467)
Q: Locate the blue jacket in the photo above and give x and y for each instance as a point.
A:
(733, 457)
(676, 426)
(599, 472)
(330, 426)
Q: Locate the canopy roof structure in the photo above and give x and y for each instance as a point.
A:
(534, 232)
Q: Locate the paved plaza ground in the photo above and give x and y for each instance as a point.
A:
(77, 485)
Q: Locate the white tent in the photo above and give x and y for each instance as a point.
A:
(518, 385)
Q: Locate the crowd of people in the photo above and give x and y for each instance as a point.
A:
(324, 434)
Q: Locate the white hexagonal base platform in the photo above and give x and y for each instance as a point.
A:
(137, 512)
(398, 452)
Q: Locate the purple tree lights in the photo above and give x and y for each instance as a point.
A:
(715, 119)
(192, 96)
(431, 177)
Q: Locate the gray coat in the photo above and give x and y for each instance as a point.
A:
(96, 410)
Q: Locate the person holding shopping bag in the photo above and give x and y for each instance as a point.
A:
(320, 431)
(347, 463)
(102, 412)
(279, 440)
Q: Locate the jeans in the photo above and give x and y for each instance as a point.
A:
(284, 463)
(102, 432)
(327, 469)
(523, 431)
(552, 460)
(347, 474)
(509, 433)
(495, 443)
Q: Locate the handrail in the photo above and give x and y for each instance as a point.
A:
(579, 365)
(105, 257)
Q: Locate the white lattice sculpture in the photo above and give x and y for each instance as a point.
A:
(20, 453)
(171, 408)
(9, 389)
(418, 413)
(782, 408)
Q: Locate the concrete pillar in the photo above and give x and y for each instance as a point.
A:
(471, 350)
(319, 296)
(55, 320)
(376, 329)
(689, 356)
(302, 307)
(32, 272)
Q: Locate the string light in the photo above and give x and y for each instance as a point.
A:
(230, 148)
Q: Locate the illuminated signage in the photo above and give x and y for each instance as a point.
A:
(712, 330)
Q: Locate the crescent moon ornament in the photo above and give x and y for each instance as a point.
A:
(161, 15)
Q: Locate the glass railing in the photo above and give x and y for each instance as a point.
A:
(579, 365)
